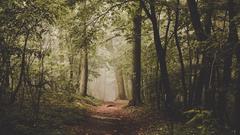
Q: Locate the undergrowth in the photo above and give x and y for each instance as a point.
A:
(56, 113)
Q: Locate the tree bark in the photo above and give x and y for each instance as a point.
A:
(5, 71)
(233, 43)
(195, 19)
(84, 73)
(228, 55)
(202, 84)
(201, 36)
(210, 55)
(190, 80)
(136, 83)
(162, 60)
(84, 65)
(161, 55)
(185, 93)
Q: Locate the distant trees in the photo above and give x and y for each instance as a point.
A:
(83, 31)
(120, 84)
(178, 54)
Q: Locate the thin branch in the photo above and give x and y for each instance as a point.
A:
(106, 12)
(146, 9)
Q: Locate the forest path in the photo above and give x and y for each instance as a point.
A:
(110, 118)
(110, 110)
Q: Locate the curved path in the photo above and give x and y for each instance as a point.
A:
(111, 118)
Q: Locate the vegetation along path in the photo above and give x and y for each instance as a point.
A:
(171, 67)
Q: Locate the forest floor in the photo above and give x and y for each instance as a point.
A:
(110, 118)
(83, 116)
(88, 116)
(117, 118)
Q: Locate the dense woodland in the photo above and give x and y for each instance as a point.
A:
(178, 59)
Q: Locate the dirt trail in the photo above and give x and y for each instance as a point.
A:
(111, 118)
(111, 110)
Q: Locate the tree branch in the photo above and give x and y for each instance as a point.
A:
(106, 12)
(146, 9)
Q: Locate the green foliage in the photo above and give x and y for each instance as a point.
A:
(203, 120)
(42, 43)
(56, 113)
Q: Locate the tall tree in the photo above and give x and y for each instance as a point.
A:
(84, 65)
(136, 83)
(228, 56)
(202, 35)
(233, 43)
(177, 10)
(151, 13)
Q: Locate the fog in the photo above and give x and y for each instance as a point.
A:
(104, 87)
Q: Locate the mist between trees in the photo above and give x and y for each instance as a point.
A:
(176, 56)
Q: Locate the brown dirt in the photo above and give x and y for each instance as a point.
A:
(111, 109)
(111, 118)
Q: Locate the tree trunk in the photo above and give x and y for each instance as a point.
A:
(185, 93)
(237, 95)
(71, 58)
(136, 86)
(84, 73)
(204, 75)
(120, 84)
(4, 70)
(6, 63)
(79, 72)
(210, 54)
(233, 43)
(158, 88)
(22, 70)
(190, 80)
(201, 36)
(228, 54)
(195, 19)
(162, 60)
(84, 65)
(161, 54)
